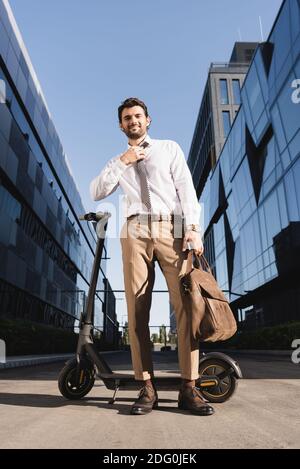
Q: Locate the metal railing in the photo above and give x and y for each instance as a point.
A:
(162, 338)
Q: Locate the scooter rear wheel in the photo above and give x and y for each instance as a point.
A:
(227, 385)
(71, 387)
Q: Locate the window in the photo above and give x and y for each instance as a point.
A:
(226, 123)
(9, 205)
(236, 91)
(272, 216)
(255, 96)
(289, 111)
(257, 158)
(2, 92)
(224, 91)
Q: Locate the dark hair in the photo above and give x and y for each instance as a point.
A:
(130, 102)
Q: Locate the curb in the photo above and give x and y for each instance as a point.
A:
(30, 360)
(15, 362)
(284, 353)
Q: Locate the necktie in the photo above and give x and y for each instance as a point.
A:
(141, 170)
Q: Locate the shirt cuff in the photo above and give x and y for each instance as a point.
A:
(191, 220)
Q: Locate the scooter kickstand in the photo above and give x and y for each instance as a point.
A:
(113, 399)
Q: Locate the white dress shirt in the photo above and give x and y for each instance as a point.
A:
(170, 182)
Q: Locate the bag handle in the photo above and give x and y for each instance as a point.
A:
(194, 260)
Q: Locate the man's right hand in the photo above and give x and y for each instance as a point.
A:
(132, 155)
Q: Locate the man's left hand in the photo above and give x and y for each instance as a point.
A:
(194, 238)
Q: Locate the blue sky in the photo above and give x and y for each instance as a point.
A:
(89, 55)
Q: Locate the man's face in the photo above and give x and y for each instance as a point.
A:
(134, 122)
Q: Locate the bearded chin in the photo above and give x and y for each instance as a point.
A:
(135, 135)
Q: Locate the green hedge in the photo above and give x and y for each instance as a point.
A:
(272, 338)
(27, 338)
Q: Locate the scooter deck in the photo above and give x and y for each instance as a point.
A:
(127, 381)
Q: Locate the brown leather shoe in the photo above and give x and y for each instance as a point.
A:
(190, 399)
(146, 401)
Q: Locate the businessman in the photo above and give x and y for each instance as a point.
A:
(162, 217)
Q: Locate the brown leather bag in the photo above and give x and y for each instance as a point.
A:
(210, 313)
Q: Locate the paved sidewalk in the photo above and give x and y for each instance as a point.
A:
(264, 413)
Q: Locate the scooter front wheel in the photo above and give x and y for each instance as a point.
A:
(221, 371)
(74, 382)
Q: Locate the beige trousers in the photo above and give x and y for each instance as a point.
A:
(143, 243)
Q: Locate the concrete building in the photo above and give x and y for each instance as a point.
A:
(220, 103)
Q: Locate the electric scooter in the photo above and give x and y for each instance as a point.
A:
(218, 373)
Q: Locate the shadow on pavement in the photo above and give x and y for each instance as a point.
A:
(49, 401)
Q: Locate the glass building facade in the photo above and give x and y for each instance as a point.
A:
(46, 254)
(252, 196)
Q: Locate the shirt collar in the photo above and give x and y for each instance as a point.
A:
(147, 139)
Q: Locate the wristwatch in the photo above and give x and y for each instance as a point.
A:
(193, 227)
